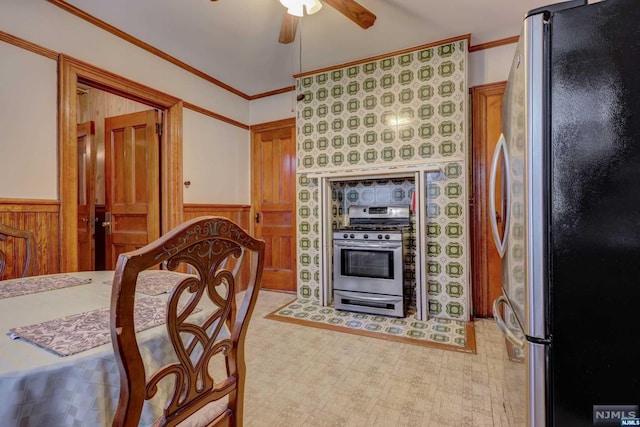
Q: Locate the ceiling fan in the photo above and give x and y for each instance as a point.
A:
(349, 8)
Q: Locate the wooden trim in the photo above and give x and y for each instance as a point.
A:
(277, 124)
(31, 47)
(216, 116)
(70, 71)
(201, 207)
(479, 213)
(470, 335)
(495, 43)
(466, 37)
(67, 175)
(34, 205)
(272, 92)
(171, 189)
(113, 83)
(142, 45)
(489, 88)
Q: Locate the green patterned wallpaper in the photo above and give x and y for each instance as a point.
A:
(408, 109)
(446, 268)
(308, 238)
(401, 109)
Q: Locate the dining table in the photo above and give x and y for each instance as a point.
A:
(70, 386)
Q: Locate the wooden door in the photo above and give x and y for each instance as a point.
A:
(274, 200)
(132, 182)
(486, 262)
(86, 196)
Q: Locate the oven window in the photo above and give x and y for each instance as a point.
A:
(367, 263)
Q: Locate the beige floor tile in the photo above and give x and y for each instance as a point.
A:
(303, 376)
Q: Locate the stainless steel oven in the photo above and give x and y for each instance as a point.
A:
(368, 261)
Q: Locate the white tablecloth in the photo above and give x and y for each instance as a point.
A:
(39, 388)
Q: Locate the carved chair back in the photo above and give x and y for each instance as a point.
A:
(29, 246)
(204, 245)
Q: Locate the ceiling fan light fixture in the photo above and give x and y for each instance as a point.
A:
(295, 10)
(297, 7)
(313, 6)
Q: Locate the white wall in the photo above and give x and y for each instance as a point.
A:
(28, 111)
(490, 65)
(273, 108)
(217, 161)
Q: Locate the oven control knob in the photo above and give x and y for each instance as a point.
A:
(352, 235)
(379, 236)
(386, 236)
(366, 236)
(345, 235)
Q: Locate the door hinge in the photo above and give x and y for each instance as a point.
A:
(159, 128)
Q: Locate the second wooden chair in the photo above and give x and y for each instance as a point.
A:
(29, 250)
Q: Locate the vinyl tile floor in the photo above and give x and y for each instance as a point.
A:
(304, 376)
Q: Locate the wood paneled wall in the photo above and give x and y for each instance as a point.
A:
(237, 213)
(240, 214)
(41, 217)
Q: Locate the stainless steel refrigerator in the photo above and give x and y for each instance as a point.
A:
(566, 193)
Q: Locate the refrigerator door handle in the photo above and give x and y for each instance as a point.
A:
(502, 325)
(501, 243)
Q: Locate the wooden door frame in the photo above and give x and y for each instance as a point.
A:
(478, 203)
(72, 71)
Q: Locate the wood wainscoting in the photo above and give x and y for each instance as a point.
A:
(240, 214)
(43, 218)
(237, 213)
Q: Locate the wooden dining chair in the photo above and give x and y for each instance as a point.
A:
(30, 265)
(203, 244)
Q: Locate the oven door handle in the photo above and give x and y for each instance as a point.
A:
(368, 245)
(370, 297)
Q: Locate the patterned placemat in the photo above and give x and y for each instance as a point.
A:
(156, 282)
(35, 284)
(434, 332)
(79, 332)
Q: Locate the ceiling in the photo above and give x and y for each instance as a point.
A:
(236, 41)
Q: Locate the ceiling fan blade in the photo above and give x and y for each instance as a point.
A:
(354, 11)
(288, 28)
